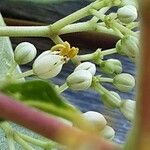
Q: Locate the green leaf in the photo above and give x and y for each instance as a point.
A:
(6, 56)
(6, 52)
(36, 90)
(42, 95)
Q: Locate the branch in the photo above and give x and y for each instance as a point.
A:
(49, 126)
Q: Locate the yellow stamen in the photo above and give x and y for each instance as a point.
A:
(57, 47)
(73, 52)
(66, 50)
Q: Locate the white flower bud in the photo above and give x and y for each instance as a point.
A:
(97, 119)
(111, 66)
(129, 46)
(129, 2)
(108, 133)
(127, 14)
(128, 109)
(124, 82)
(111, 99)
(87, 66)
(79, 80)
(25, 52)
(48, 65)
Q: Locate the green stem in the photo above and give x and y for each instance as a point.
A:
(76, 27)
(19, 137)
(77, 15)
(102, 29)
(122, 28)
(9, 134)
(86, 26)
(86, 57)
(75, 60)
(109, 51)
(109, 80)
(25, 74)
(98, 14)
(93, 56)
(34, 141)
(133, 25)
(118, 32)
(101, 13)
(11, 143)
(23, 31)
(62, 88)
(98, 87)
(52, 30)
(57, 40)
(23, 143)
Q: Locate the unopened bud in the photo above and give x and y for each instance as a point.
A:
(97, 119)
(108, 133)
(25, 52)
(79, 80)
(111, 99)
(111, 66)
(124, 82)
(129, 46)
(128, 109)
(127, 14)
(87, 66)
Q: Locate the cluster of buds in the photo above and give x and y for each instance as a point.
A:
(112, 100)
(50, 63)
(100, 124)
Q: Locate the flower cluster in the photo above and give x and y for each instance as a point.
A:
(85, 75)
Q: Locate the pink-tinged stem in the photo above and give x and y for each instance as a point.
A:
(49, 126)
(143, 107)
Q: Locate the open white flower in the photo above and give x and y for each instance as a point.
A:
(48, 65)
(79, 80)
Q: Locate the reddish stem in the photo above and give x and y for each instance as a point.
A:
(49, 126)
(143, 107)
